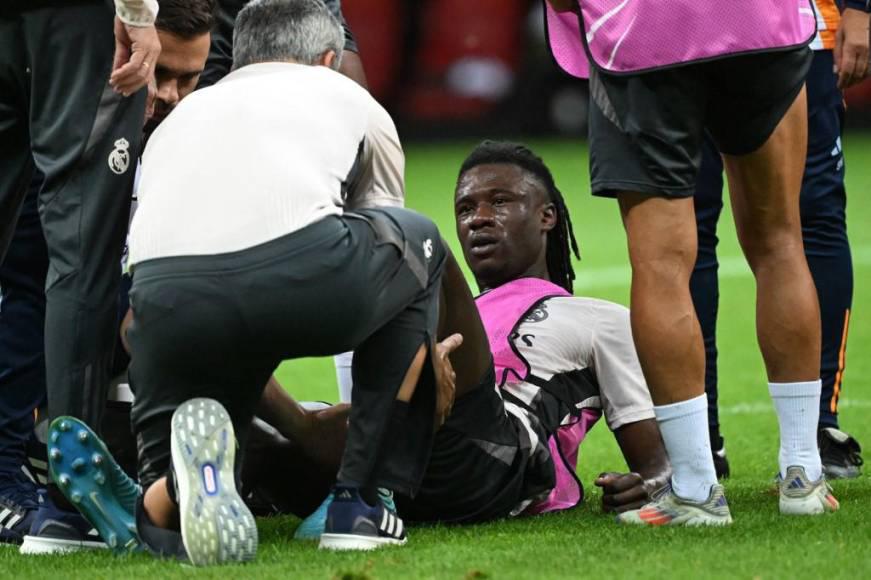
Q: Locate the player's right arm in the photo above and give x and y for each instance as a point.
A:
(136, 46)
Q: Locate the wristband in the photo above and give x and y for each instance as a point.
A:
(136, 12)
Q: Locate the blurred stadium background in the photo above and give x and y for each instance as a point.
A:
(450, 68)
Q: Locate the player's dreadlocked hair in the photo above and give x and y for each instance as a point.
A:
(558, 253)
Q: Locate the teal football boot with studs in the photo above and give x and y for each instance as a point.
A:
(87, 474)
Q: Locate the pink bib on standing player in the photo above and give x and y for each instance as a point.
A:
(629, 36)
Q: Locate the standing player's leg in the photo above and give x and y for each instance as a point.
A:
(824, 230)
(661, 233)
(16, 168)
(85, 139)
(22, 365)
(704, 286)
(16, 164)
(653, 177)
(764, 186)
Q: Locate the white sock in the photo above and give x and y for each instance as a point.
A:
(343, 375)
(798, 412)
(684, 428)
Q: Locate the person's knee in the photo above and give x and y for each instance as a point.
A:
(96, 291)
(664, 264)
(662, 237)
(779, 246)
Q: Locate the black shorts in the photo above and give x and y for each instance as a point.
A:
(217, 326)
(646, 130)
(482, 465)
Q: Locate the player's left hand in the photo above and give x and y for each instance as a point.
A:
(622, 491)
(445, 377)
(851, 48)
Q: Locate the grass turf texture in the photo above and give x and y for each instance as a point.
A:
(585, 541)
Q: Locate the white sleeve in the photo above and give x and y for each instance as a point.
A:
(381, 179)
(136, 12)
(624, 393)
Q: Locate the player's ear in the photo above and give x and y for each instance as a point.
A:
(548, 217)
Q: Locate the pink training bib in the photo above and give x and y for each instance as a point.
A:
(631, 36)
(502, 310)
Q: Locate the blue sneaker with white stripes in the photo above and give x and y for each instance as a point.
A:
(17, 506)
(57, 531)
(312, 527)
(352, 524)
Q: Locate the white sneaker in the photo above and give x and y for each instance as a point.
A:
(802, 497)
(216, 525)
(668, 509)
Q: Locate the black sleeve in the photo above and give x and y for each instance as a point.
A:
(221, 52)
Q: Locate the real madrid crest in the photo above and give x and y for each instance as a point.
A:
(119, 158)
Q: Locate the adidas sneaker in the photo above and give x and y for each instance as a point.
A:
(800, 496)
(352, 524)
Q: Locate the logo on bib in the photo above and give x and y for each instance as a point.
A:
(119, 158)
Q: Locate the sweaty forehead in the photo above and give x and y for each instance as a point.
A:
(489, 177)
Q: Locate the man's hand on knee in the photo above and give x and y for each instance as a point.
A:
(446, 378)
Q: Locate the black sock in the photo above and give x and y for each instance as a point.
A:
(161, 542)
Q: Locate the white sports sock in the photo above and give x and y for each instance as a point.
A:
(684, 428)
(343, 375)
(798, 412)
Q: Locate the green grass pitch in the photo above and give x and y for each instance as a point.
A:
(586, 542)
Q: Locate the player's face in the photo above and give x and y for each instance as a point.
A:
(178, 69)
(503, 216)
